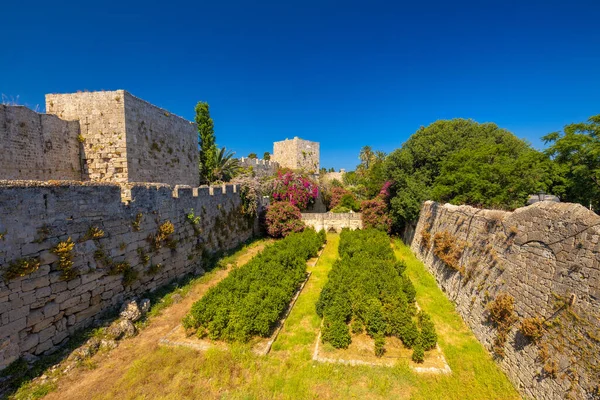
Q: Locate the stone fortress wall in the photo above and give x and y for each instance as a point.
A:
(332, 222)
(544, 256)
(67, 182)
(37, 146)
(297, 154)
(259, 167)
(119, 250)
(126, 139)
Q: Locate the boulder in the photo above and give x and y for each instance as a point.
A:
(130, 311)
(120, 329)
(145, 305)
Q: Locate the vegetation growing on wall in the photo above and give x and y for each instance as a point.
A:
(64, 251)
(501, 315)
(446, 248)
(21, 267)
(251, 299)
(368, 291)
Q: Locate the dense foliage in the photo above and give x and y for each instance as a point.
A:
(295, 188)
(463, 162)
(283, 218)
(374, 214)
(577, 153)
(368, 291)
(206, 141)
(252, 298)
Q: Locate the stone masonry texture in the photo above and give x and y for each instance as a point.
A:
(37, 146)
(545, 256)
(332, 222)
(126, 139)
(297, 154)
(39, 311)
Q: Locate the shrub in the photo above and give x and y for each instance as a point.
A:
(428, 333)
(295, 188)
(357, 326)
(446, 249)
(501, 314)
(374, 215)
(21, 267)
(64, 251)
(426, 237)
(349, 201)
(336, 332)
(532, 328)
(340, 209)
(418, 354)
(336, 194)
(379, 345)
(409, 333)
(251, 299)
(283, 218)
(367, 287)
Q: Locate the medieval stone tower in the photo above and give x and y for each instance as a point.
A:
(297, 154)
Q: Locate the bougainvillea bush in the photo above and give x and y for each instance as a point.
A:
(367, 290)
(375, 214)
(250, 301)
(295, 188)
(283, 218)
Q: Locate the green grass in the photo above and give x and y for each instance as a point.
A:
(288, 372)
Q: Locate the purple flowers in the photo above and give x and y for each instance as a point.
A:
(296, 189)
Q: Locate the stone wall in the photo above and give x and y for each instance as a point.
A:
(101, 117)
(127, 139)
(332, 221)
(259, 168)
(297, 154)
(544, 256)
(37, 146)
(120, 250)
(161, 147)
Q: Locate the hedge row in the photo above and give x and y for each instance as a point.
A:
(251, 299)
(367, 290)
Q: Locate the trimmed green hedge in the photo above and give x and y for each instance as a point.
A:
(252, 298)
(367, 289)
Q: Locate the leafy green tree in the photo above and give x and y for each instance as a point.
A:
(226, 167)
(252, 156)
(206, 141)
(577, 152)
(463, 162)
(267, 156)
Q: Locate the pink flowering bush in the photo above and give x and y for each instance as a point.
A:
(336, 196)
(296, 189)
(374, 214)
(283, 218)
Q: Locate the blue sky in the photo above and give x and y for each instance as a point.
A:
(344, 73)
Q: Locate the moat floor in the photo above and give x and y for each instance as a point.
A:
(142, 369)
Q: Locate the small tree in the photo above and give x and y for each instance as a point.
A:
(267, 156)
(282, 219)
(252, 156)
(206, 142)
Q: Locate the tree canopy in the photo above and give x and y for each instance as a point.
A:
(464, 162)
(577, 153)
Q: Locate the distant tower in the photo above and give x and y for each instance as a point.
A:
(297, 154)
